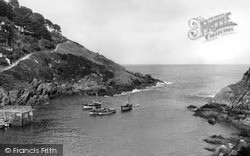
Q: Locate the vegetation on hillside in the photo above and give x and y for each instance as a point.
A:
(23, 31)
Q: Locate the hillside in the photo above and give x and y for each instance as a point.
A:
(44, 64)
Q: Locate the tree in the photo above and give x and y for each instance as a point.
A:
(42, 32)
(6, 10)
(37, 26)
(23, 11)
(14, 3)
(22, 16)
(36, 17)
(5, 20)
(57, 28)
(49, 23)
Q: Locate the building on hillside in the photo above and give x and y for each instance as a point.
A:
(3, 40)
(3, 35)
(2, 55)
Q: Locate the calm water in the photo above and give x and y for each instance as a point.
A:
(160, 126)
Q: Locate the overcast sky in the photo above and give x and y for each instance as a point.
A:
(150, 31)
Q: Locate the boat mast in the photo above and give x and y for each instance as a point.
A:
(128, 99)
(96, 95)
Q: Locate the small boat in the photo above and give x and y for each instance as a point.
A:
(102, 111)
(107, 111)
(137, 105)
(128, 106)
(94, 104)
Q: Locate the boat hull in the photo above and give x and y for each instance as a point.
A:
(103, 112)
(126, 108)
(90, 106)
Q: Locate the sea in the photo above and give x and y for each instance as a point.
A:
(160, 126)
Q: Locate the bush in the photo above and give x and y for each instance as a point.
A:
(29, 39)
(3, 62)
(35, 46)
(47, 44)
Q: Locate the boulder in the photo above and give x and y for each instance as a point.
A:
(212, 121)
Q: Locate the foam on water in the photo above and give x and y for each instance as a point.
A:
(158, 84)
(206, 95)
(162, 84)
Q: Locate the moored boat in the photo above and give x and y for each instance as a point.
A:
(94, 104)
(128, 106)
(102, 111)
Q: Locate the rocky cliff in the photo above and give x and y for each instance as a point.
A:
(236, 95)
(69, 68)
(231, 105)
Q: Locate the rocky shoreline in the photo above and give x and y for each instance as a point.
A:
(39, 92)
(221, 113)
(231, 106)
(69, 69)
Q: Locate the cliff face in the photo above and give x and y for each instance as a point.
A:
(231, 105)
(236, 95)
(70, 68)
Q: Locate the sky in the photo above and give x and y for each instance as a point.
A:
(150, 31)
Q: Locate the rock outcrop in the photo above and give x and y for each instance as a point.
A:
(236, 95)
(70, 68)
(231, 105)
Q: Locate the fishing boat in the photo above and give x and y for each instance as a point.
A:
(95, 103)
(102, 111)
(128, 106)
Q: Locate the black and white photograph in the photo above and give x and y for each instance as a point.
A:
(124, 78)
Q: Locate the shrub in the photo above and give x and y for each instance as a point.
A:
(47, 44)
(35, 46)
(3, 62)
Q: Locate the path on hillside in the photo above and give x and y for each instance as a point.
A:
(27, 57)
(58, 46)
(15, 63)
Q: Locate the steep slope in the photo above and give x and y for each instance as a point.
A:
(45, 64)
(236, 95)
(230, 105)
(70, 68)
